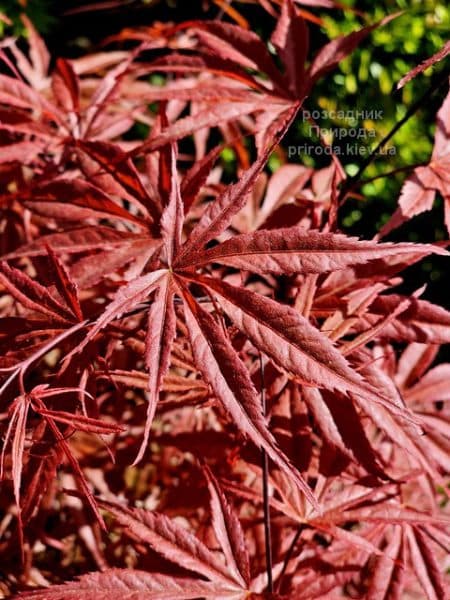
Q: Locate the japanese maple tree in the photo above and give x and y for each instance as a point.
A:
(207, 389)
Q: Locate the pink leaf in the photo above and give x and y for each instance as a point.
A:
(228, 531)
(417, 196)
(197, 176)
(40, 56)
(66, 287)
(114, 161)
(384, 569)
(241, 46)
(129, 584)
(61, 440)
(76, 193)
(285, 336)
(170, 540)
(161, 331)
(126, 298)
(65, 86)
(218, 215)
(432, 387)
(230, 381)
(18, 414)
(208, 117)
(336, 50)
(425, 565)
(291, 39)
(81, 422)
(32, 294)
(25, 152)
(295, 250)
(421, 322)
(172, 218)
(18, 94)
(81, 239)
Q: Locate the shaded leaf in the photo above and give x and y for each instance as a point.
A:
(228, 531)
(170, 540)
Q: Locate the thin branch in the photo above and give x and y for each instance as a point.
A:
(389, 173)
(351, 182)
(265, 474)
(289, 554)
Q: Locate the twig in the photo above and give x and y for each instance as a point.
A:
(350, 183)
(362, 182)
(289, 554)
(265, 474)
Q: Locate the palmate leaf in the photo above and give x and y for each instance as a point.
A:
(410, 550)
(161, 328)
(295, 356)
(228, 50)
(96, 120)
(32, 295)
(400, 527)
(326, 523)
(177, 545)
(419, 190)
(105, 250)
(184, 307)
(229, 379)
(291, 342)
(172, 541)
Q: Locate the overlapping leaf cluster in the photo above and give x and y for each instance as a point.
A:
(150, 310)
